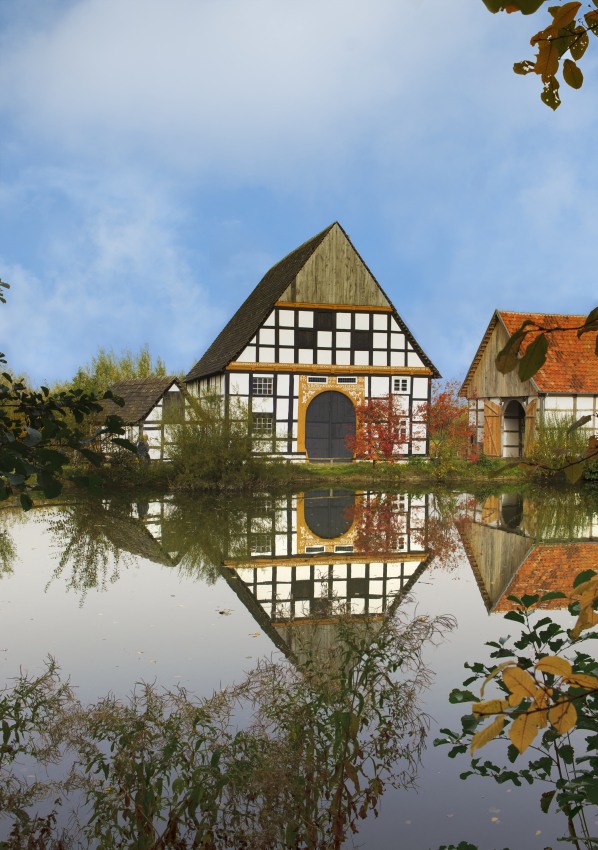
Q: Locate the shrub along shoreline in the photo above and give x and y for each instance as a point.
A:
(125, 472)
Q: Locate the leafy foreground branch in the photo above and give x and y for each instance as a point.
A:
(547, 703)
(566, 38)
(167, 770)
(40, 432)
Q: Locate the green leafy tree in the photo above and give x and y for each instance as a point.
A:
(106, 368)
(214, 448)
(560, 45)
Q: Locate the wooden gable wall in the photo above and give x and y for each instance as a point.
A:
(335, 274)
(488, 382)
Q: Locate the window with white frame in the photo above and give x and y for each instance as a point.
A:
(261, 544)
(400, 385)
(262, 386)
(263, 424)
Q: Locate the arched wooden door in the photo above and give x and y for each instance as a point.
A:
(329, 421)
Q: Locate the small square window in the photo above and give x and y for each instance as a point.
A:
(263, 424)
(400, 385)
(262, 386)
(261, 544)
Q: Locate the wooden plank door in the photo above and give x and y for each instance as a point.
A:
(492, 447)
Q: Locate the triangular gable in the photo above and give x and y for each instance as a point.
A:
(140, 396)
(326, 270)
(335, 274)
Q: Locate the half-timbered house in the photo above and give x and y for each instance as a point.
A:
(315, 339)
(311, 559)
(151, 407)
(505, 409)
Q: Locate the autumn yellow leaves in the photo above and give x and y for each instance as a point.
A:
(545, 693)
(567, 33)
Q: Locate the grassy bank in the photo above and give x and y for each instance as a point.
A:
(125, 472)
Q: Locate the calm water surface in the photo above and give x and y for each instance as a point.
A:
(193, 593)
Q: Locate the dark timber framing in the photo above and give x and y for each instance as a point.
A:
(317, 322)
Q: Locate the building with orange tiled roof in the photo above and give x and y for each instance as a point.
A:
(546, 568)
(508, 557)
(506, 409)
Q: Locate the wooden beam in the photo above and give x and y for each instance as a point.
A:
(328, 369)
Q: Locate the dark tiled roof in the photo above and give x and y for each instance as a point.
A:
(140, 396)
(571, 363)
(131, 535)
(255, 309)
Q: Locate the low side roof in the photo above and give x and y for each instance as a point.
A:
(140, 396)
(571, 363)
(256, 308)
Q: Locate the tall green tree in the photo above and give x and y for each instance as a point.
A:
(107, 367)
(560, 44)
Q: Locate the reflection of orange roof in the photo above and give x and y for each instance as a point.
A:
(571, 363)
(550, 567)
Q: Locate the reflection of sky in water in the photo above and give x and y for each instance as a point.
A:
(154, 624)
(151, 624)
(445, 808)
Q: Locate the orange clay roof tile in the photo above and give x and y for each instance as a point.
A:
(549, 567)
(571, 363)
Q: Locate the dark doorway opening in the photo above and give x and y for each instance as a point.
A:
(513, 430)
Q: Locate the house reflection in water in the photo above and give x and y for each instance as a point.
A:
(512, 550)
(316, 557)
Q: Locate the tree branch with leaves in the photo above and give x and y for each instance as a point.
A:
(36, 435)
(547, 703)
(565, 39)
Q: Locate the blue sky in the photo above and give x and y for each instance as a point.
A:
(158, 156)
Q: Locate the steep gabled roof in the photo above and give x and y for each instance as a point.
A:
(236, 335)
(255, 310)
(131, 535)
(571, 363)
(140, 396)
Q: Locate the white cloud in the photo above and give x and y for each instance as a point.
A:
(243, 88)
(163, 155)
(118, 278)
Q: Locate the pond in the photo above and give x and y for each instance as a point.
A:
(290, 656)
